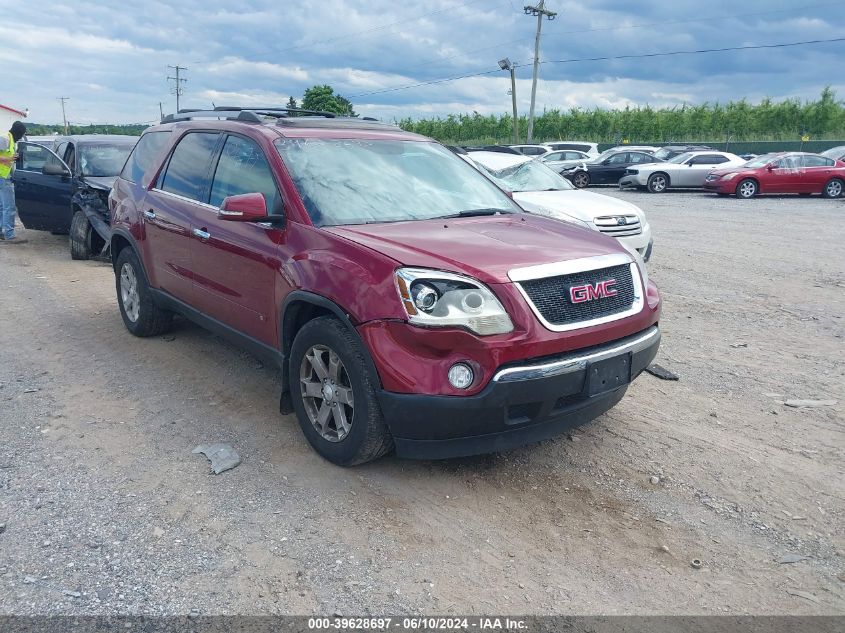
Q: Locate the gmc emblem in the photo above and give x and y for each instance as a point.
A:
(589, 292)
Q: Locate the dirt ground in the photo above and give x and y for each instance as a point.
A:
(107, 511)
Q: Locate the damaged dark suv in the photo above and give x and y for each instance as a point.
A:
(65, 189)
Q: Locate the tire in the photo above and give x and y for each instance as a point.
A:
(141, 316)
(363, 438)
(581, 179)
(747, 188)
(80, 236)
(834, 188)
(658, 183)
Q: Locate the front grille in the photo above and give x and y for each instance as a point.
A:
(551, 295)
(619, 225)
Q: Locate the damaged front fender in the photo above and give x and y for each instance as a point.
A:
(93, 202)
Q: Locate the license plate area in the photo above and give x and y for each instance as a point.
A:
(609, 374)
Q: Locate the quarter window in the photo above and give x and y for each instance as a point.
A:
(243, 168)
(187, 172)
(141, 159)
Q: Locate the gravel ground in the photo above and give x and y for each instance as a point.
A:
(105, 509)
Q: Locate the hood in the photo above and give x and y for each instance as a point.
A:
(100, 182)
(737, 169)
(580, 204)
(485, 247)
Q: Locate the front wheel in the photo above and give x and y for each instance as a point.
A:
(581, 179)
(747, 188)
(333, 395)
(657, 183)
(80, 236)
(834, 188)
(141, 316)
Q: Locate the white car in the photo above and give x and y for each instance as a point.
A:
(540, 190)
(684, 170)
(560, 159)
(590, 149)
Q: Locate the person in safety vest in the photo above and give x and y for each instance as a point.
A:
(8, 156)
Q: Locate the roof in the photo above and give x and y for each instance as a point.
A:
(8, 109)
(96, 138)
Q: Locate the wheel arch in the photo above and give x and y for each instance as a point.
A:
(752, 179)
(300, 307)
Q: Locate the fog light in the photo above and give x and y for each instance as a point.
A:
(460, 375)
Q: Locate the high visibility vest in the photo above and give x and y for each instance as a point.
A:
(6, 170)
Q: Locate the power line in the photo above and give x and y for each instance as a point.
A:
(592, 59)
(638, 26)
(177, 83)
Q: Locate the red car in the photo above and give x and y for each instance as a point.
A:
(786, 172)
(408, 301)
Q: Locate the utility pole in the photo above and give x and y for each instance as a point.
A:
(161, 109)
(64, 116)
(540, 11)
(177, 83)
(507, 64)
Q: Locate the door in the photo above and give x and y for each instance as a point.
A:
(785, 176)
(43, 199)
(607, 171)
(235, 264)
(817, 171)
(169, 209)
(693, 172)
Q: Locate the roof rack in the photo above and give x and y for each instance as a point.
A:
(234, 113)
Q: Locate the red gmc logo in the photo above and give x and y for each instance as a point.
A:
(588, 292)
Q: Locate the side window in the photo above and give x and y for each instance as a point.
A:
(817, 161)
(618, 159)
(554, 156)
(70, 157)
(187, 172)
(145, 152)
(61, 148)
(792, 163)
(573, 156)
(709, 159)
(33, 157)
(243, 168)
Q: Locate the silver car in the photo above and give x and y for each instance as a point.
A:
(557, 160)
(684, 170)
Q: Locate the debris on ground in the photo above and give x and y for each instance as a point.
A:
(655, 480)
(798, 404)
(791, 558)
(802, 594)
(738, 345)
(223, 457)
(661, 372)
(696, 563)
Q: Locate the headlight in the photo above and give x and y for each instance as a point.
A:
(438, 299)
(563, 217)
(729, 176)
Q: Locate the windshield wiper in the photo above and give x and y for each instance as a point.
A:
(472, 213)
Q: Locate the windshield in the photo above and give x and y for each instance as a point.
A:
(761, 161)
(103, 159)
(351, 181)
(834, 152)
(663, 154)
(680, 158)
(530, 176)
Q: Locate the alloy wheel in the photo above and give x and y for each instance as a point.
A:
(582, 180)
(658, 183)
(747, 189)
(129, 292)
(326, 393)
(834, 189)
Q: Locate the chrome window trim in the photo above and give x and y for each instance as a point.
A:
(576, 266)
(185, 199)
(577, 362)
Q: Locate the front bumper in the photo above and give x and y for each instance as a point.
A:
(632, 180)
(720, 186)
(524, 402)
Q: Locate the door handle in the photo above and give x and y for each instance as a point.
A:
(200, 233)
(150, 215)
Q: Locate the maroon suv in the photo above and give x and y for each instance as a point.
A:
(409, 302)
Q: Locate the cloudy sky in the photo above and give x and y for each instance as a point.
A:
(111, 58)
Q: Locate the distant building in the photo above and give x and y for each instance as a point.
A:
(8, 116)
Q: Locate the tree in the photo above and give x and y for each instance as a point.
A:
(323, 98)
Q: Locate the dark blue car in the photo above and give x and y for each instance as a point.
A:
(64, 188)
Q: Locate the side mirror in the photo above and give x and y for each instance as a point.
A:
(246, 207)
(770, 167)
(54, 169)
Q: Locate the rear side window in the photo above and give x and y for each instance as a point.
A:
(709, 159)
(817, 161)
(187, 172)
(243, 168)
(141, 159)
